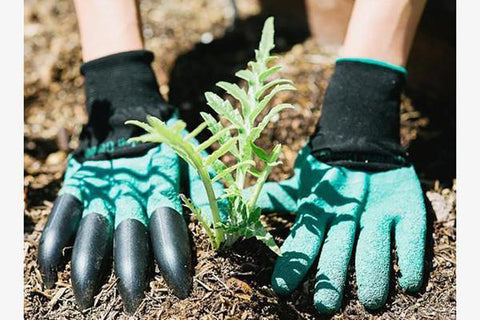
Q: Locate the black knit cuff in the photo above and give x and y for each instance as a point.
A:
(118, 88)
(360, 123)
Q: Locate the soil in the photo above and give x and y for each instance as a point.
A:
(196, 44)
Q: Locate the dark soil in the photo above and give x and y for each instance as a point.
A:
(233, 284)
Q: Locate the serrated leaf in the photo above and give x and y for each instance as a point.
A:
(267, 73)
(246, 75)
(269, 85)
(238, 93)
(263, 235)
(260, 152)
(220, 152)
(224, 109)
(228, 170)
(266, 41)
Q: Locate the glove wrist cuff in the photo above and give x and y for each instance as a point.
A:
(360, 122)
(119, 87)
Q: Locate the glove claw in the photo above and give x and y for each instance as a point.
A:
(132, 259)
(171, 247)
(92, 245)
(58, 233)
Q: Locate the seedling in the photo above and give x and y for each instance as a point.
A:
(238, 138)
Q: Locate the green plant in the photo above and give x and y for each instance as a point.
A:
(237, 138)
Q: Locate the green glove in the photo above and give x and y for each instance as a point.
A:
(121, 201)
(119, 194)
(335, 203)
(125, 188)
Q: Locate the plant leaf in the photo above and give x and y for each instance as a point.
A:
(254, 172)
(260, 152)
(224, 109)
(266, 41)
(263, 235)
(196, 131)
(265, 74)
(140, 124)
(228, 170)
(264, 102)
(220, 152)
(198, 213)
(238, 93)
(219, 167)
(255, 133)
(246, 75)
(270, 84)
(204, 145)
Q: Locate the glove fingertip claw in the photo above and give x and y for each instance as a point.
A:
(171, 246)
(59, 231)
(89, 257)
(132, 259)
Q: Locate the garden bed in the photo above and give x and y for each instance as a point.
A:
(196, 44)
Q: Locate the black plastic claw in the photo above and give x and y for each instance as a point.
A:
(131, 259)
(171, 247)
(59, 232)
(92, 246)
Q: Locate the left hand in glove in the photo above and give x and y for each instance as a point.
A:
(334, 205)
(350, 181)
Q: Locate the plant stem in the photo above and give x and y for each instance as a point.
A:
(219, 236)
(259, 185)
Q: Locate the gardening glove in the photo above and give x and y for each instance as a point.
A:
(352, 178)
(117, 193)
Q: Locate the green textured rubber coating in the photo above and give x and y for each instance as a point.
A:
(329, 201)
(395, 202)
(378, 63)
(333, 203)
(282, 196)
(126, 188)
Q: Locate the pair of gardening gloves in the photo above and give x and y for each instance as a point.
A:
(126, 196)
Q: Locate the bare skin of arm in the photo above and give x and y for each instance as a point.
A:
(108, 27)
(382, 30)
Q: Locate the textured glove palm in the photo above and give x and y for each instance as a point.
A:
(123, 200)
(333, 206)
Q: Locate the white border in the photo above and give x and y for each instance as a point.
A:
(11, 110)
(468, 158)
